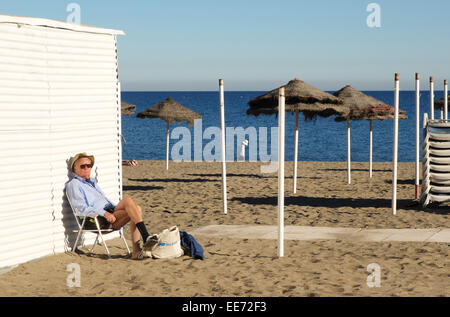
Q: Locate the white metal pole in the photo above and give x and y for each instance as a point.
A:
(281, 114)
(431, 98)
(119, 118)
(417, 186)
(395, 147)
(348, 153)
(446, 99)
(370, 148)
(442, 113)
(295, 152)
(222, 141)
(167, 145)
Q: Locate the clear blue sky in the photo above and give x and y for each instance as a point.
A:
(262, 44)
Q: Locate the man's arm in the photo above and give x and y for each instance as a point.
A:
(111, 204)
(76, 198)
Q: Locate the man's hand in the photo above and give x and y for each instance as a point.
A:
(110, 217)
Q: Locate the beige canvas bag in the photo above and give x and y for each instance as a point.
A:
(169, 245)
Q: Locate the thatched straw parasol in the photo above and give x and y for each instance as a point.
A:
(363, 107)
(127, 108)
(170, 111)
(440, 103)
(360, 106)
(299, 97)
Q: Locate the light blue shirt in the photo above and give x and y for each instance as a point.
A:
(86, 197)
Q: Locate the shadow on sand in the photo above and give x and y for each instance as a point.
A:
(233, 175)
(402, 181)
(133, 187)
(341, 202)
(172, 180)
(355, 170)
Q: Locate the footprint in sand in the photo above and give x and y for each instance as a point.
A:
(289, 289)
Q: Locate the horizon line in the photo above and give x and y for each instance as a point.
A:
(195, 90)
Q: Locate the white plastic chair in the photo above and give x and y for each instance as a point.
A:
(99, 231)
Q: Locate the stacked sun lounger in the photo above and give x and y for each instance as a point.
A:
(435, 162)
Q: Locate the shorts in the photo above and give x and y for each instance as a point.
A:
(102, 222)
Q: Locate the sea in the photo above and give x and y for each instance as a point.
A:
(320, 139)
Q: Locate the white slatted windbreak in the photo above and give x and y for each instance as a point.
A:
(59, 95)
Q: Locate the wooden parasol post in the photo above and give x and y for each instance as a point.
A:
(295, 152)
(222, 141)
(417, 186)
(395, 147)
(281, 124)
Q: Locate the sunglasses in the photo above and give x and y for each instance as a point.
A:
(83, 166)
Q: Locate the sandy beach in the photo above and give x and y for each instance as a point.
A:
(189, 195)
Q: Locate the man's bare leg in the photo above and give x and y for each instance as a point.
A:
(125, 211)
(135, 237)
(133, 211)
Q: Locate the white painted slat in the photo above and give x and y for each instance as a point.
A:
(24, 254)
(26, 205)
(100, 149)
(32, 126)
(77, 50)
(23, 84)
(105, 145)
(10, 174)
(22, 223)
(20, 185)
(87, 116)
(73, 63)
(54, 99)
(24, 98)
(15, 64)
(56, 86)
(40, 238)
(56, 93)
(26, 192)
(22, 73)
(12, 43)
(27, 34)
(52, 33)
(55, 56)
(41, 63)
(31, 115)
(89, 120)
(45, 45)
(46, 24)
(11, 159)
(103, 42)
(58, 73)
(60, 150)
(30, 211)
(66, 106)
(10, 34)
(51, 75)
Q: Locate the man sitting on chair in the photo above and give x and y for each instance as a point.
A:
(87, 199)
